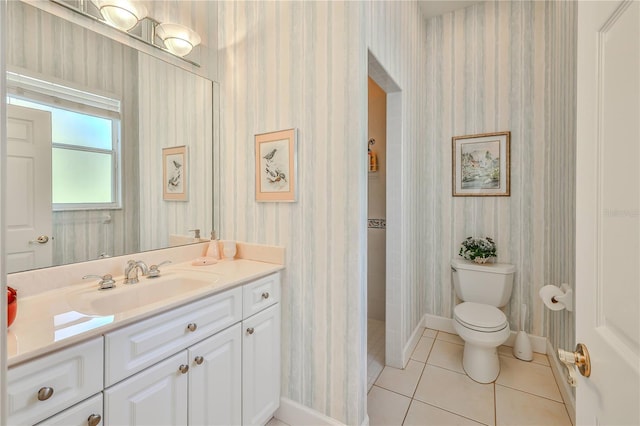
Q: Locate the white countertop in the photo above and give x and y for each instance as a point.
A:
(52, 320)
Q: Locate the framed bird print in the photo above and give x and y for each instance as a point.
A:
(174, 173)
(276, 166)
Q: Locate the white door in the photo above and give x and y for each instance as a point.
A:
(215, 379)
(29, 223)
(608, 211)
(261, 366)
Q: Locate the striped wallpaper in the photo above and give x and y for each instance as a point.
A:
(490, 67)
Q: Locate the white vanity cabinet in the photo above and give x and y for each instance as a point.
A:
(214, 361)
(45, 386)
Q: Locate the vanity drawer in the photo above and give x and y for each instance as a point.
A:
(135, 347)
(85, 413)
(260, 294)
(72, 374)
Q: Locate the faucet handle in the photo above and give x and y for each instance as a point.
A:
(154, 272)
(106, 281)
(196, 233)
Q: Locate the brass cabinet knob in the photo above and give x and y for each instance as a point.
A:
(250, 330)
(192, 326)
(184, 369)
(94, 420)
(199, 360)
(265, 295)
(45, 393)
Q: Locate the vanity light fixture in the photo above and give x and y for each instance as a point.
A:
(177, 38)
(122, 14)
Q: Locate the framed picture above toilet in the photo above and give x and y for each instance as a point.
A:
(480, 165)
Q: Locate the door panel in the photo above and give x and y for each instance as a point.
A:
(28, 188)
(608, 211)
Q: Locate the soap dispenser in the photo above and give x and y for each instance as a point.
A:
(214, 249)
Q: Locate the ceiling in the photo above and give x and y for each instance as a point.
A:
(431, 8)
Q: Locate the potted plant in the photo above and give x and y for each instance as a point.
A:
(478, 249)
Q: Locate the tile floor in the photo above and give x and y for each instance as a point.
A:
(433, 390)
(375, 350)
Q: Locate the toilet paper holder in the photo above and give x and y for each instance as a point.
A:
(563, 297)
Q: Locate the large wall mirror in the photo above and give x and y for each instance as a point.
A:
(88, 121)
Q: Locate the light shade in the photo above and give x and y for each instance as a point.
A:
(122, 14)
(177, 38)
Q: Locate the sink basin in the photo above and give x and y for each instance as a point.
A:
(126, 297)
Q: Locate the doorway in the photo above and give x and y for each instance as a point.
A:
(376, 230)
(386, 302)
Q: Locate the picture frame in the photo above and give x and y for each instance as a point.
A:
(481, 165)
(175, 170)
(276, 166)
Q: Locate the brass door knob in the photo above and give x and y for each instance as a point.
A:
(579, 358)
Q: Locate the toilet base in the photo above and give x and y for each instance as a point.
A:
(481, 363)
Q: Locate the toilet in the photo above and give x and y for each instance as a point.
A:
(477, 320)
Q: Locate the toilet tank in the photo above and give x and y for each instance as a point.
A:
(489, 283)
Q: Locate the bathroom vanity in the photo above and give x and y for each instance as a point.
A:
(208, 353)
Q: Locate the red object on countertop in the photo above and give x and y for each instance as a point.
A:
(12, 305)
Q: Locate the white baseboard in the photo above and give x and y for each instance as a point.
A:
(412, 342)
(538, 344)
(294, 413)
(560, 373)
(439, 323)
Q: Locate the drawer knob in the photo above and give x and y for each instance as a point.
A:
(45, 393)
(192, 326)
(184, 369)
(94, 420)
(199, 360)
(250, 330)
(265, 295)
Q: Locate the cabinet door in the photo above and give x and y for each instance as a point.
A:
(261, 366)
(155, 396)
(215, 379)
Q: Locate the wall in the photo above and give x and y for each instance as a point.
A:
(560, 209)
(376, 234)
(493, 67)
(304, 65)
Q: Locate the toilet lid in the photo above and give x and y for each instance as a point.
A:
(480, 317)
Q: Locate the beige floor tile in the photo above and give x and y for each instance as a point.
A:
(401, 381)
(519, 408)
(421, 414)
(429, 332)
(447, 355)
(457, 393)
(528, 377)
(537, 358)
(421, 352)
(452, 338)
(386, 408)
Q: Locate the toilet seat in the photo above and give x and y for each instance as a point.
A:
(480, 317)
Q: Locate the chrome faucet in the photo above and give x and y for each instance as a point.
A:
(131, 271)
